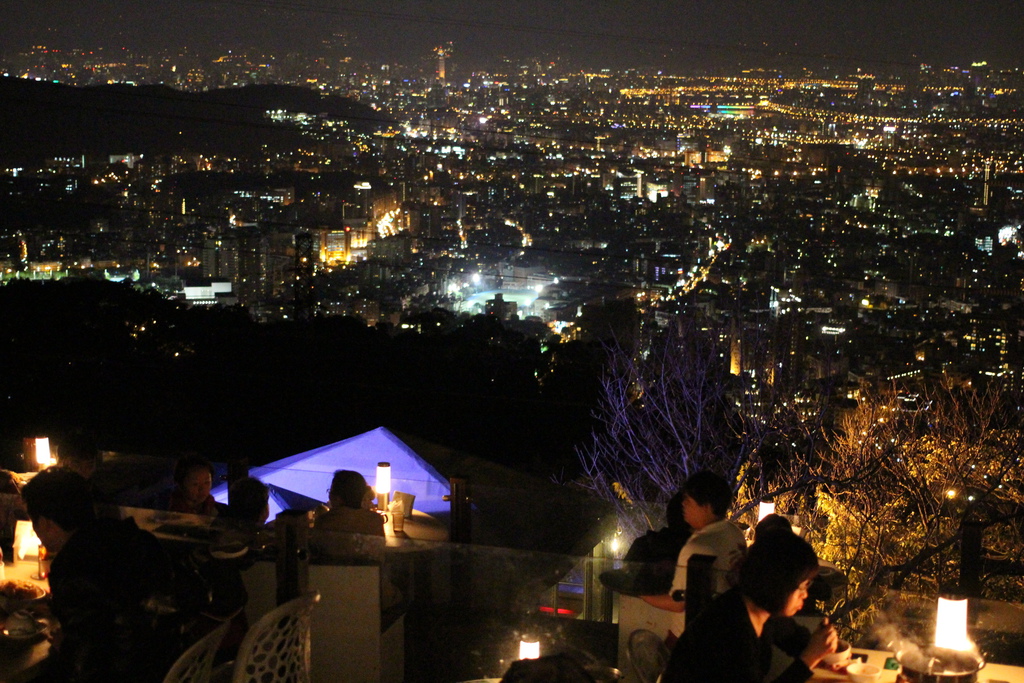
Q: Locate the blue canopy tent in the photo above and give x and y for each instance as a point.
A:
(301, 481)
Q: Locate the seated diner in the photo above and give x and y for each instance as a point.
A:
(193, 479)
(349, 529)
(732, 640)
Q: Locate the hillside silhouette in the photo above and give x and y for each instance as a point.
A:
(41, 120)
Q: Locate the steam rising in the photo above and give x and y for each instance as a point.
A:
(916, 653)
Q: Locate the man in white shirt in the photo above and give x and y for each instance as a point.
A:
(706, 501)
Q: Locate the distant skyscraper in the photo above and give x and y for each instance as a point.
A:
(252, 266)
(865, 89)
(988, 178)
(442, 52)
(220, 258)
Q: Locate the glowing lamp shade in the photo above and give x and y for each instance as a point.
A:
(529, 649)
(951, 625)
(765, 509)
(43, 457)
(383, 484)
(26, 543)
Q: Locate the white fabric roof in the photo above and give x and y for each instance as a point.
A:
(310, 473)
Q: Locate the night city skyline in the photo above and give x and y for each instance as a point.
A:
(562, 250)
(688, 36)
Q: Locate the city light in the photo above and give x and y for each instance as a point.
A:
(529, 649)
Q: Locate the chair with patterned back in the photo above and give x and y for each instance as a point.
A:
(194, 664)
(648, 654)
(276, 648)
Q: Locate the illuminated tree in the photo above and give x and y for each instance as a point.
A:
(670, 407)
(884, 490)
(897, 484)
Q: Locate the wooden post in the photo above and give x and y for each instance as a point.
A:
(292, 528)
(460, 552)
(461, 531)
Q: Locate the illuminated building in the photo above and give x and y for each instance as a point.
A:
(252, 281)
(220, 258)
(501, 309)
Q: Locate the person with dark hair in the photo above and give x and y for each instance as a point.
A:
(705, 503)
(350, 500)
(59, 504)
(651, 558)
(674, 517)
(350, 490)
(777, 524)
(341, 532)
(193, 479)
(771, 524)
(110, 582)
(78, 452)
(708, 489)
(248, 500)
(732, 640)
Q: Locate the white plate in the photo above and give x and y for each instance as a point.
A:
(228, 554)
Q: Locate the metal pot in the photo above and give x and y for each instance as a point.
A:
(939, 665)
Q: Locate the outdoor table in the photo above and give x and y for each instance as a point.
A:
(991, 672)
(418, 527)
(20, 662)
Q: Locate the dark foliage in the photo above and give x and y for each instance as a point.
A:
(148, 375)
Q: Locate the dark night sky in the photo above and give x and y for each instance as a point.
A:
(878, 35)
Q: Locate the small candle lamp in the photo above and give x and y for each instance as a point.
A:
(26, 543)
(37, 453)
(382, 487)
(529, 649)
(951, 625)
(952, 657)
(764, 509)
(43, 457)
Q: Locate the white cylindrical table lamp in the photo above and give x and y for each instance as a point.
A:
(382, 487)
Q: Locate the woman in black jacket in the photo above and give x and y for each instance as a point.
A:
(731, 642)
